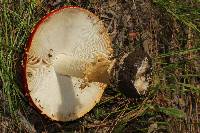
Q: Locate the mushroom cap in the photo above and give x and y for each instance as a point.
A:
(61, 48)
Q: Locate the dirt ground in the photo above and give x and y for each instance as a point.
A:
(131, 24)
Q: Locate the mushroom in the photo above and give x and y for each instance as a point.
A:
(67, 63)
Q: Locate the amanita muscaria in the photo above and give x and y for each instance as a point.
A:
(67, 63)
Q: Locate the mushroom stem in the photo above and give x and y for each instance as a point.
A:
(96, 71)
(68, 65)
(99, 71)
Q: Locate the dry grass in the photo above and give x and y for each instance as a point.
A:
(169, 32)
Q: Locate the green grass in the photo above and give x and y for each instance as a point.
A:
(14, 30)
(186, 12)
(175, 72)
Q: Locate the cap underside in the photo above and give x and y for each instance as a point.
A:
(60, 50)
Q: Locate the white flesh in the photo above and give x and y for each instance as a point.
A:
(141, 82)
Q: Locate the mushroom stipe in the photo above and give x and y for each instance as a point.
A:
(134, 73)
(68, 62)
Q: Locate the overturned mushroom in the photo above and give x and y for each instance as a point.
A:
(66, 63)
